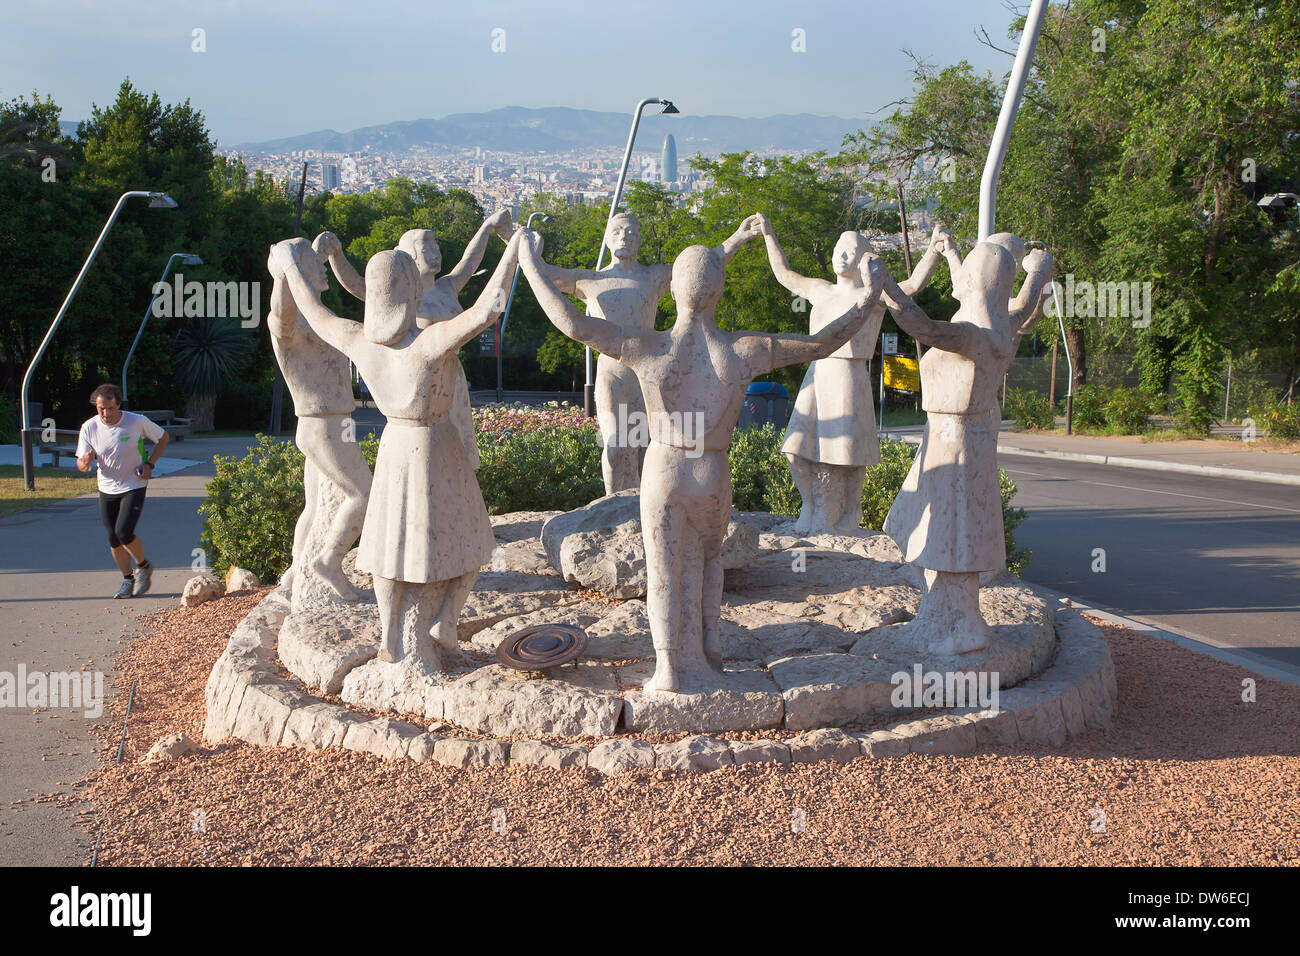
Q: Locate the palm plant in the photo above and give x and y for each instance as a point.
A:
(205, 353)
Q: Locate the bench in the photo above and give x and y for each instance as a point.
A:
(175, 427)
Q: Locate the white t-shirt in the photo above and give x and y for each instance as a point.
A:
(119, 450)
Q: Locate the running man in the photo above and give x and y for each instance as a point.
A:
(116, 439)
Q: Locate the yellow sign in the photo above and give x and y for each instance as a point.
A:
(902, 373)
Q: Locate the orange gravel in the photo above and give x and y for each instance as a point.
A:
(1189, 774)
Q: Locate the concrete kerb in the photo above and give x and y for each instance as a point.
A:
(1144, 464)
(249, 700)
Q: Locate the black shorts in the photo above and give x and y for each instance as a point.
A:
(120, 513)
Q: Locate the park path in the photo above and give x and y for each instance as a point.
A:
(57, 615)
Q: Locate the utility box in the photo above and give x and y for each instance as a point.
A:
(765, 402)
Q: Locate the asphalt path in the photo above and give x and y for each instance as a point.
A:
(1214, 559)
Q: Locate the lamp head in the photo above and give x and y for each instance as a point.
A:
(191, 260)
(161, 201)
(668, 107)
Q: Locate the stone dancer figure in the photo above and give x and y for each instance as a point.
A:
(439, 294)
(320, 384)
(831, 438)
(947, 517)
(693, 371)
(426, 531)
(627, 294)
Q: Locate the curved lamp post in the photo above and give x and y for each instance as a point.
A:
(589, 389)
(187, 259)
(501, 332)
(156, 201)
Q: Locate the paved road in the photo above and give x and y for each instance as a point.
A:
(57, 615)
(1211, 558)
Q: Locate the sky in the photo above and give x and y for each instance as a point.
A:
(272, 69)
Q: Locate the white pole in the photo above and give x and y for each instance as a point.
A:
(1007, 118)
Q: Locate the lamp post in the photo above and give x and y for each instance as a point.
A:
(589, 389)
(501, 331)
(1007, 117)
(156, 201)
(187, 259)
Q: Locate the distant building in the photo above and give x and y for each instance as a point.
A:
(329, 176)
(668, 161)
(649, 170)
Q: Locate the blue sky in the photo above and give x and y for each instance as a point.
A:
(275, 69)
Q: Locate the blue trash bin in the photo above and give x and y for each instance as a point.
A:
(765, 402)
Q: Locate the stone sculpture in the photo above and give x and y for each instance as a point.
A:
(693, 377)
(320, 384)
(426, 531)
(438, 297)
(947, 517)
(625, 293)
(831, 437)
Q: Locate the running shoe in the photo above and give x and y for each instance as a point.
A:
(125, 590)
(143, 578)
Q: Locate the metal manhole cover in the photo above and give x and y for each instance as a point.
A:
(542, 647)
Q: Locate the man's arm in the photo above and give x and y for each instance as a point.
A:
(751, 228)
(939, 241)
(799, 285)
(464, 269)
(338, 332)
(159, 447)
(605, 337)
(328, 245)
(450, 334)
(85, 451)
(949, 336)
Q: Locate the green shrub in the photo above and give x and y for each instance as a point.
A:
(1017, 558)
(251, 507)
(1279, 420)
(760, 473)
(1090, 406)
(884, 480)
(548, 469)
(1029, 409)
(1126, 411)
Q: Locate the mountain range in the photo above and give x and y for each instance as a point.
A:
(556, 129)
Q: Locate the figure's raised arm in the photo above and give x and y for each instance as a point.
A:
(940, 240)
(948, 336)
(790, 349)
(1026, 308)
(283, 319)
(328, 246)
(500, 223)
(605, 337)
(292, 261)
(799, 285)
(751, 228)
(450, 334)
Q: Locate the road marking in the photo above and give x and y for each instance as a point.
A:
(1152, 491)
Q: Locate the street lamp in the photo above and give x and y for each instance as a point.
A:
(1007, 117)
(589, 389)
(156, 201)
(1278, 201)
(186, 259)
(501, 332)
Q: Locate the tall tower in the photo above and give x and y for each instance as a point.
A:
(668, 161)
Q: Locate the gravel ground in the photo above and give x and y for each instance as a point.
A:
(1189, 774)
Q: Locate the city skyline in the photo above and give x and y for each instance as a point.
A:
(271, 71)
